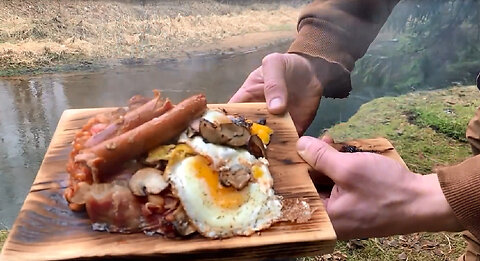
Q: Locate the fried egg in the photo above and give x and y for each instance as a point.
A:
(215, 210)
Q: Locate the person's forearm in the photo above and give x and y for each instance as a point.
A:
(430, 210)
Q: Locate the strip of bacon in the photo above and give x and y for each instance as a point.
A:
(113, 207)
(105, 157)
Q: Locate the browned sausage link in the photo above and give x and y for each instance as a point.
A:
(154, 108)
(105, 157)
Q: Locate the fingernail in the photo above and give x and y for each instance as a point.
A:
(275, 103)
(302, 145)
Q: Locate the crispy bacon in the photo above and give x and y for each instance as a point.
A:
(79, 172)
(112, 207)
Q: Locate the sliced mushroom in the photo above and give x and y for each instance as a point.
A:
(241, 121)
(225, 134)
(147, 181)
(193, 129)
(238, 135)
(182, 223)
(256, 147)
(211, 132)
(262, 121)
(237, 179)
(156, 199)
(155, 204)
(171, 202)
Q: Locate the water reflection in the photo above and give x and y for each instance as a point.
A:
(29, 112)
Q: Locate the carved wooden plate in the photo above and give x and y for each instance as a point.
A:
(46, 229)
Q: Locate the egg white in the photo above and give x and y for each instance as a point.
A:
(259, 211)
(260, 208)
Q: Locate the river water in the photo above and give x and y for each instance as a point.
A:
(31, 106)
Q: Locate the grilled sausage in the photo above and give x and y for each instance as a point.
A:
(103, 158)
(132, 119)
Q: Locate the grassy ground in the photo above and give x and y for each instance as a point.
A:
(428, 130)
(50, 34)
(3, 236)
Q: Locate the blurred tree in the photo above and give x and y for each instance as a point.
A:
(435, 44)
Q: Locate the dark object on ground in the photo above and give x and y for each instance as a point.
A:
(352, 149)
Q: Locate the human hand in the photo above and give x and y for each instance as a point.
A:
(375, 196)
(287, 82)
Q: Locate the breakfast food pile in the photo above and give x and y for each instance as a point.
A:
(175, 170)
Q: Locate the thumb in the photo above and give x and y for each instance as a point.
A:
(275, 86)
(321, 156)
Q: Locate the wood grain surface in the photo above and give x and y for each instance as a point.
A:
(46, 229)
(381, 145)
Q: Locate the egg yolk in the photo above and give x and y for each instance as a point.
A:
(177, 154)
(225, 197)
(262, 131)
(257, 172)
(180, 152)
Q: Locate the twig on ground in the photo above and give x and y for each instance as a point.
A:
(449, 243)
(378, 245)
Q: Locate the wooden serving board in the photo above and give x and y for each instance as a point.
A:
(46, 229)
(381, 145)
(378, 145)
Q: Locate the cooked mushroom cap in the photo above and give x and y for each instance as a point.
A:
(237, 179)
(193, 129)
(182, 223)
(226, 133)
(239, 120)
(256, 147)
(147, 181)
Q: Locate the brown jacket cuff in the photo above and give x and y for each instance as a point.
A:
(315, 39)
(461, 186)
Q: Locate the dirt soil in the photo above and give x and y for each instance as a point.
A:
(52, 33)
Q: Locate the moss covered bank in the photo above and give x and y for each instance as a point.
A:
(427, 128)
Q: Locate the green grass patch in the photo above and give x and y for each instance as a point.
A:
(3, 237)
(451, 120)
(418, 246)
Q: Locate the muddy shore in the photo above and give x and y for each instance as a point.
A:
(46, 35)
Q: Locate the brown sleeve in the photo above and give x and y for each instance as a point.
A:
(461, 186)
(473, 132)
(461, 183)
(340, 31)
